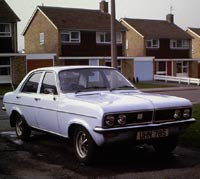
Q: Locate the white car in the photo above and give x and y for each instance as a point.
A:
(95, 106)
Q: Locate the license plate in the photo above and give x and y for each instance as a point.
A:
(152, 134)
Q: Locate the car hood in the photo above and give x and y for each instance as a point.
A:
(131, 101)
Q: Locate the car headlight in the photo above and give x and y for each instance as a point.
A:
(109, 121)
(177, 114)
(121, 119)
(186, 113)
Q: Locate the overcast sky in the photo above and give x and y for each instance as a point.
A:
(187, 13)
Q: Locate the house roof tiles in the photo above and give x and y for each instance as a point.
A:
(7, 15)
(195, 30)
(157, 29)
(79, 19)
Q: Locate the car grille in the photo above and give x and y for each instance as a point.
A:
(139, 117)
(147, 117)
(164, 115)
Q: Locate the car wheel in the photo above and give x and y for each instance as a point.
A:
(84, 145)
(166, 146)
(23, 131)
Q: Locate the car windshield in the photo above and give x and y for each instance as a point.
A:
(92, 79)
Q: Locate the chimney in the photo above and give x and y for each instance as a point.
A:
(103, 6)
(170, 18)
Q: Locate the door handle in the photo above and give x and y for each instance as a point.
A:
(37, 99)
(18, 97)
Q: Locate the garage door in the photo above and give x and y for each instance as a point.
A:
(143, 69)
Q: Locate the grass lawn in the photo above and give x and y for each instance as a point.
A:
(4, 89)
(191, 137)
(149, 85)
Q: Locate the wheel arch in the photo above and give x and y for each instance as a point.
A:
(97, 138)
(72, 129)
(13, 117)
(15, 113)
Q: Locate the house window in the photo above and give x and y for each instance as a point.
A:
(161, 68)
(152, 43)
(42, 38)
(70, 37)
(5, 30)
(4, 66)
(105, 37)
(182, 67)
(179, 44)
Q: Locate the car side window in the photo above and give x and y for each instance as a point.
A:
(49, 84)
(31, 85)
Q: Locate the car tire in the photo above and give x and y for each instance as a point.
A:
(166, 146)
(84, 145)
(22, 129)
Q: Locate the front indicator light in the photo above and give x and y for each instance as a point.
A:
(110, 121)
(121, 119)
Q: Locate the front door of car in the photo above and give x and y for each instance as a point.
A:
(46, 114)
(27, 98)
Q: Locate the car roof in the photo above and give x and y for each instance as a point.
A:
(61, 68)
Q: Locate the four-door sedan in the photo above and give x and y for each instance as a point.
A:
(95, 106)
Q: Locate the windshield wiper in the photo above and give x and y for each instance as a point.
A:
(125, 87)
(91, 88)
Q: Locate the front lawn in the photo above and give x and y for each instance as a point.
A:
(150, 85)
(5, 89)
(191, 137)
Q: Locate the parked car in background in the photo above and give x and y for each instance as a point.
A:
(95, 106)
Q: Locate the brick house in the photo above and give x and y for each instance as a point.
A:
(75, 36)
(163, 40)
(195, 33)
(9, 57)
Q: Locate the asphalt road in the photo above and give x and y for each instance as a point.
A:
(49, 157)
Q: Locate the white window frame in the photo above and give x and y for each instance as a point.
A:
(157, 45)
(98, 39)
(42, 38)
(6, 78)
(184, 44)
(6, 34)
(183, 67)
(71, 39)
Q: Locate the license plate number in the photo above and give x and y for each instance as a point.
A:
(151, 134)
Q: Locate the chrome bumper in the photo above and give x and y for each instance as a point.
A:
(146, 126)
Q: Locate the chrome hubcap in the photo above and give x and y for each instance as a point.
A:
(82, 144)
(19, 128)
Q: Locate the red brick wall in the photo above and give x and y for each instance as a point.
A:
(165, 52)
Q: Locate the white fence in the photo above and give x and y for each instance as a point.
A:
(177, 79)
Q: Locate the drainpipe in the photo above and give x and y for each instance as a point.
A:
(113, 36)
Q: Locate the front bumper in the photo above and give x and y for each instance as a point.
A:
(145, 126)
